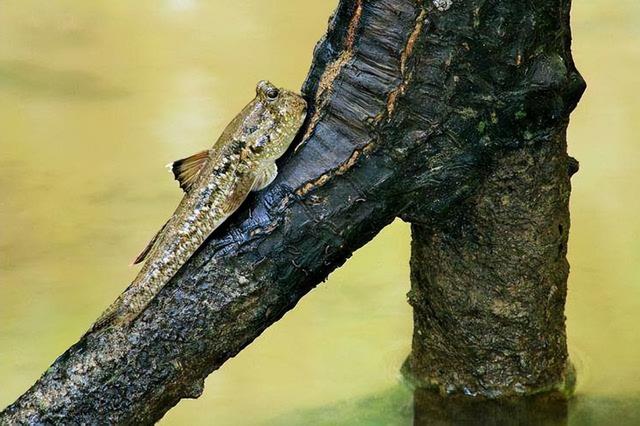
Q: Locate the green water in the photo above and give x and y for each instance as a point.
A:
(95, 97)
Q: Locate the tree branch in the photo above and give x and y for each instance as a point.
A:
(397, 90)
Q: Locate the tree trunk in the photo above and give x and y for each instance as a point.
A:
(489, 282)
(414, 106)
(488, 285)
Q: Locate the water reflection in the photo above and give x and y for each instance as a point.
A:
(400, 406)
(432, 409)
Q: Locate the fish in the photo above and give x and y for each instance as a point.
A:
(215, 183)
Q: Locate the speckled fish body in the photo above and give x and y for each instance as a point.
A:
(215, 183)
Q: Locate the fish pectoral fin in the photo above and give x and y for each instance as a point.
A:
(236, 197)
(264, 178)
(143, 254)
(187, 169)
(231, 204)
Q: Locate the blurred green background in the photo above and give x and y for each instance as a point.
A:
(95, 97)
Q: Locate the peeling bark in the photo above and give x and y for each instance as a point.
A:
(412, 106)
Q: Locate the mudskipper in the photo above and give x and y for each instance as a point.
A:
(215, 182)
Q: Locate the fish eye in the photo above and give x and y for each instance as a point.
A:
(272, 93)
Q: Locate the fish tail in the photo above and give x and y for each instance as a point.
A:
(126, 308)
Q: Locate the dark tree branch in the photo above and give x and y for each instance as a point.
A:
(399, 90)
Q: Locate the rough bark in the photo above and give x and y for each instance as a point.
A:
(489, 282)
(399, 90)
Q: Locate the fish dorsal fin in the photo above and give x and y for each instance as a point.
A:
(186, 170)
(145, 252)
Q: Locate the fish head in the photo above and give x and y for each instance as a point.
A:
(280, 115)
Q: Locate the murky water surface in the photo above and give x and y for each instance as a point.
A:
(95, 97)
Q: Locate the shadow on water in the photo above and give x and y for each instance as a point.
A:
(400, 406)
(34, 79)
